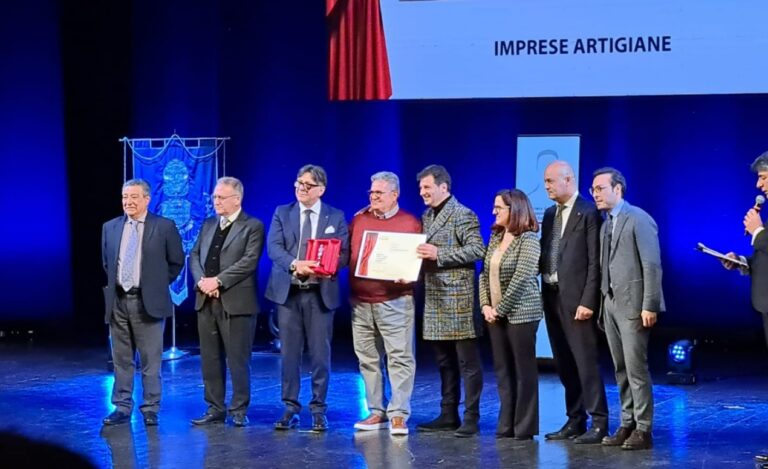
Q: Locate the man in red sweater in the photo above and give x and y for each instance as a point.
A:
(383, 313)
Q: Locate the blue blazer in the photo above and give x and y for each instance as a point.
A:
(283, 248)
(162, 258)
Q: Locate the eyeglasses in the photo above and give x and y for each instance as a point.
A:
(307, 186)
(216, 197)
(377, 193)
(598, 189)
(498, 208)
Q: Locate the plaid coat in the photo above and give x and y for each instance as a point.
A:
(520, 296)
(449, 282)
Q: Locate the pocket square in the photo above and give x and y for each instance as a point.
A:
(330, 230)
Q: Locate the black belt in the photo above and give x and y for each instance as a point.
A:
(135, 291)
(305, 286)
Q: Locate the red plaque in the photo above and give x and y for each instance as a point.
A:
(325, 251)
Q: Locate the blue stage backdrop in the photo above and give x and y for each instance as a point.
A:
(256, 72)
(182, 174)
(35, 257)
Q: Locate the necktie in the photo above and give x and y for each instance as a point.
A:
(306, 233)
(224, 223)
(554, 247)
(605, 283)
(129, 260)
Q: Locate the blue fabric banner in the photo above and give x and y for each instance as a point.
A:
(182, 177)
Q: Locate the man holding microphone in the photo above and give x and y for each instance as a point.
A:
(757, 263)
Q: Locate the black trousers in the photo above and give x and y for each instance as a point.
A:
(225, 340)
(303, 317)
(574, 347)
(455, 359)
(517, 377)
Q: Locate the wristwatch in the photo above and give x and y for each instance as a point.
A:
(292, 268)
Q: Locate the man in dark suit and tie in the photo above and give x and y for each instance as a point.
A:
(570, 267)
(630, 267)
(305, 301)
(758, 261)
(141, 254)
(223, 264)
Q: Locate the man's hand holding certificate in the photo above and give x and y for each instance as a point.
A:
(389, 256)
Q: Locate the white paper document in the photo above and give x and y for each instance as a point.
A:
(392, 256)
(720, 255)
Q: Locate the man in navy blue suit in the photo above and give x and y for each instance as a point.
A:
(141, 254)
(305, 301)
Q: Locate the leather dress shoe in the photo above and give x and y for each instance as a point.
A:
(761, 457)
(288, 421)
(208, 419)
(505, 434)
(150, 419)
(239, 420)
(638, 440)
(618, 438)
(569, 431)
(446, 421)
(522, 437)
(467, 429)
(594, 436)
(116, 418)
(319, 423)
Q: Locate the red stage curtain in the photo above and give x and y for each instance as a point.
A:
(357, 58)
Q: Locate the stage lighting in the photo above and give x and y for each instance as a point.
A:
(680, 362)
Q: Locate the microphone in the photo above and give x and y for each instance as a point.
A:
(759, 201)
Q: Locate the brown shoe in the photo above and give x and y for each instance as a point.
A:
(638, 440)
(373, 422)
(397, 426)
(618, 438)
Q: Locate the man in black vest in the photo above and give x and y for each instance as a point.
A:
(223, 263)
(758, 261)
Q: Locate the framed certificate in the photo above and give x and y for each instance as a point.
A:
(392, 256)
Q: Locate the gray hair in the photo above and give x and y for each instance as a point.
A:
(138, 182)
(616, 178)
(438, 172)
(234, 183)
(760, 163)
(317, 173)
(388, 177)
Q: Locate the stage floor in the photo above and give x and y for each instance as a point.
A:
(62, 394)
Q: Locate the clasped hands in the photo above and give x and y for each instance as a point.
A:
(209, 286)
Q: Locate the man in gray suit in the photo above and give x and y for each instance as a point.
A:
(630, 265)
(223, 264)
(451, 323)
(141, 254)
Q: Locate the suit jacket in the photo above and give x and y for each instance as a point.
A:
(578, 260)
(238, 263)
(521, 299)
(283, 248)
(449, 282)
(758, 269)
(635, 262)
(162, 258)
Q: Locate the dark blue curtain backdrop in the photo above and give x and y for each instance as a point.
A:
(256, 71)
(35, 261)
